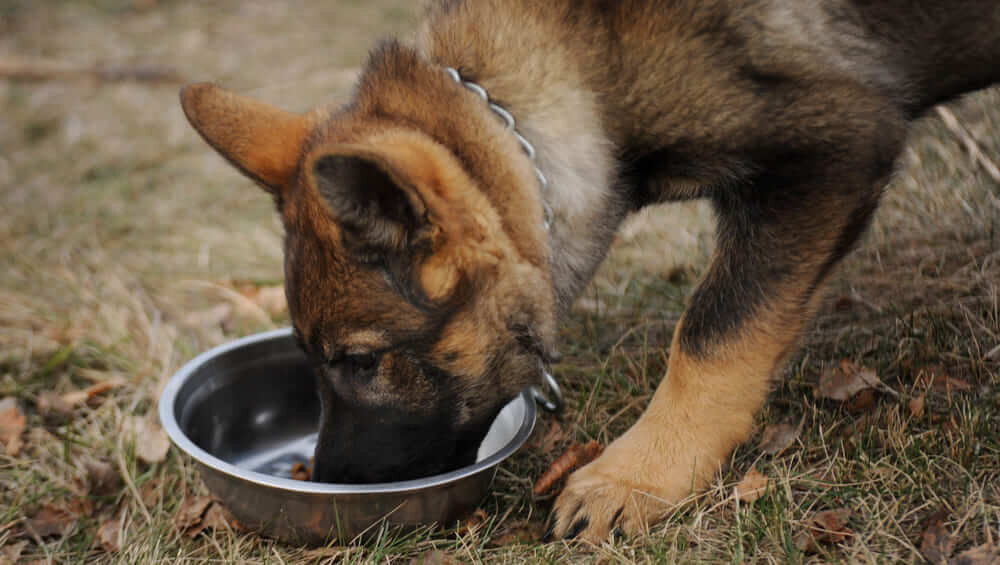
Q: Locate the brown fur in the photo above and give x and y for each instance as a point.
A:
(420, 276)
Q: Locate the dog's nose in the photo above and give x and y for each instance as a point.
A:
(323, 473)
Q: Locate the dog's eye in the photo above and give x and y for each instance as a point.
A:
(360, 365)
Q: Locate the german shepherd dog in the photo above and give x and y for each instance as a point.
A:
(427, 264)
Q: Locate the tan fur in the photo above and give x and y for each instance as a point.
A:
(234, 125)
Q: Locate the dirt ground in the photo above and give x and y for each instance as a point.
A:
(128, 247)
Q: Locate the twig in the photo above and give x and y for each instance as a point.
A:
(18, 68)
(970, 143)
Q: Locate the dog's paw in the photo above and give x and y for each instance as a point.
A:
(635, 484)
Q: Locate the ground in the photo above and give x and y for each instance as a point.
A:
(121, 237)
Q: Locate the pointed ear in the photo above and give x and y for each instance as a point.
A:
(263, 142)
(373, 195)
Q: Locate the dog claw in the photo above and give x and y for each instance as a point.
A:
(550, 529)
(577, 527)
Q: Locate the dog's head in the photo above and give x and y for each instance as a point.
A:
(421, 315)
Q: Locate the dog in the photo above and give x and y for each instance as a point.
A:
(440, 223)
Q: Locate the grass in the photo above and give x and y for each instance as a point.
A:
(116, 216)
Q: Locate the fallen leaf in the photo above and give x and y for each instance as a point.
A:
(64, 404)
(843, 304)
(778, 437)
(861, 424)
(752, 487)
(210, 318)
(935, 543)
(547, 441)
(151, 442)
(104, 386)
(436, 557)
(576, 456)
(80, 506)
(49, 403)
(50, 521)
(102, 478)
(826, 527)
(74, 398)
(12, 425)
(861, 402)
(109, 534)
(938, 380)
(191, 512)
(12, 552)
(217, 517)
(151, 491)
(916, 405)
(519, 533)
(473, 522)
(300, 472)
(272, 299)
(986, 554)
(842, 382)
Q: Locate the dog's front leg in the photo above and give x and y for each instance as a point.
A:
(778, 239)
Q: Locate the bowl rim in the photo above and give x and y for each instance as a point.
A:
(166, 409)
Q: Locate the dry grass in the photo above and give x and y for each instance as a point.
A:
(116, 215)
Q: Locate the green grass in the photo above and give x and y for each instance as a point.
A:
(116, 216)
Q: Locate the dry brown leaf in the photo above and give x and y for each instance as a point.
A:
(13, 422)
(865, 422)
(272, 299)
(843, 304)
(826, 527)
(473, 522)
(109, 534)
(50, 521)
(102, 478)
(778, 437)
(842, 382)
(937, 379)
(752, 487)
(49, 403)
(917, 405)
(217, 517)
(861, 402)
(12, 552)
(547, 441)
(64, 404)
(191, 512)
(151, 441)
(935, 543)
(101, 387)
(520, 532)
(436, 557)
(151, 492)
(576, 456)
(80, 506)
(986, 554)
(300, 472)
(210, 318)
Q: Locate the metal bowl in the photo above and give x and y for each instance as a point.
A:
(247, 411)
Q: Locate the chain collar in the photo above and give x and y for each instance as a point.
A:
(511, 125)
(551, 399)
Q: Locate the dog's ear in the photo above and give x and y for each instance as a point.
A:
(392, 191)
(263, 142)
(374, 202)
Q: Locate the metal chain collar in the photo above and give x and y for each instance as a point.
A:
(511, 125)
(552, 400)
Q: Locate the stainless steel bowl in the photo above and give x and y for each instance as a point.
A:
(247, 411)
